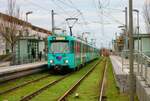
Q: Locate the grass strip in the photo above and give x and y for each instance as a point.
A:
(12, 83)
(19, 93)
(54, 92)
(112, 92)
(88, 90)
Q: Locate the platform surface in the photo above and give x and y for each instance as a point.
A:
(118, 66)
(21, 67)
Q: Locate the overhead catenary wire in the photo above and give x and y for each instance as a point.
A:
(121, 3)
(71, 5)
(66, 4)
(66, 12)
(113, 18)
(36, 5)
(41, 7)
(100, 7)
(108, 15)
(47, 10)
(103, 4)
(75, 15)
(61, 8)
(78, 11)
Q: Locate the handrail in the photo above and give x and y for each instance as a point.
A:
(143, 61)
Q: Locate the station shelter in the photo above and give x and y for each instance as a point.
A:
(144, 43)
(28, 49)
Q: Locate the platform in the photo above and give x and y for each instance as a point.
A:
(4, 64)
(121, 72)
(12, 72)
(21, 67)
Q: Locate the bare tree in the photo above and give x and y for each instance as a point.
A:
(147, 15)
(10, 26)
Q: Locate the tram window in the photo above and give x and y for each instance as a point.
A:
(59, 47)
(72, 44)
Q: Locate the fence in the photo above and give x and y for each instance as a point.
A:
(141, 64)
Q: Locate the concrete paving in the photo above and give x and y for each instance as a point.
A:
(121, 74)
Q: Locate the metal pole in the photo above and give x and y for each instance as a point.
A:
(131, 50)
(138, 27)
(117, 50)
(141, 59)
(70, 31)
(126, 26)
(138, 38)
(26, 17)
(27, 13)
(83, 35)
(52, 12)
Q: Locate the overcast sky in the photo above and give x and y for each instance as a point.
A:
(90, 20)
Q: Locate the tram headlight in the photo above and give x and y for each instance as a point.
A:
(51, 61)
(66, 61)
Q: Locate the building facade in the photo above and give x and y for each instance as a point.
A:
(26, 30)
(32, 37)
(144, 43)
(2, 45)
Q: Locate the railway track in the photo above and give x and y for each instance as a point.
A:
(62, 98)
(33, 93)
(37, 92)
(24, 84)
(102, 83)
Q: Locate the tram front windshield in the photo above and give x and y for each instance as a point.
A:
(59, 47)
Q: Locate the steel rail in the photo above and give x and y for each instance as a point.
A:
(62, 98)
(24, 84)
(102, 82)
(37, 92)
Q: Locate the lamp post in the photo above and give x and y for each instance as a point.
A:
(116, 45)
(131, 73)
(137, 11)
(126, 27)
(53, 21)
(71, 22)
(84, 34)
(27, 13)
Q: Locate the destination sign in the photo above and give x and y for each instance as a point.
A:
(60, 38)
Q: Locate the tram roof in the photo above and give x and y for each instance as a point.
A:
(66, 37)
